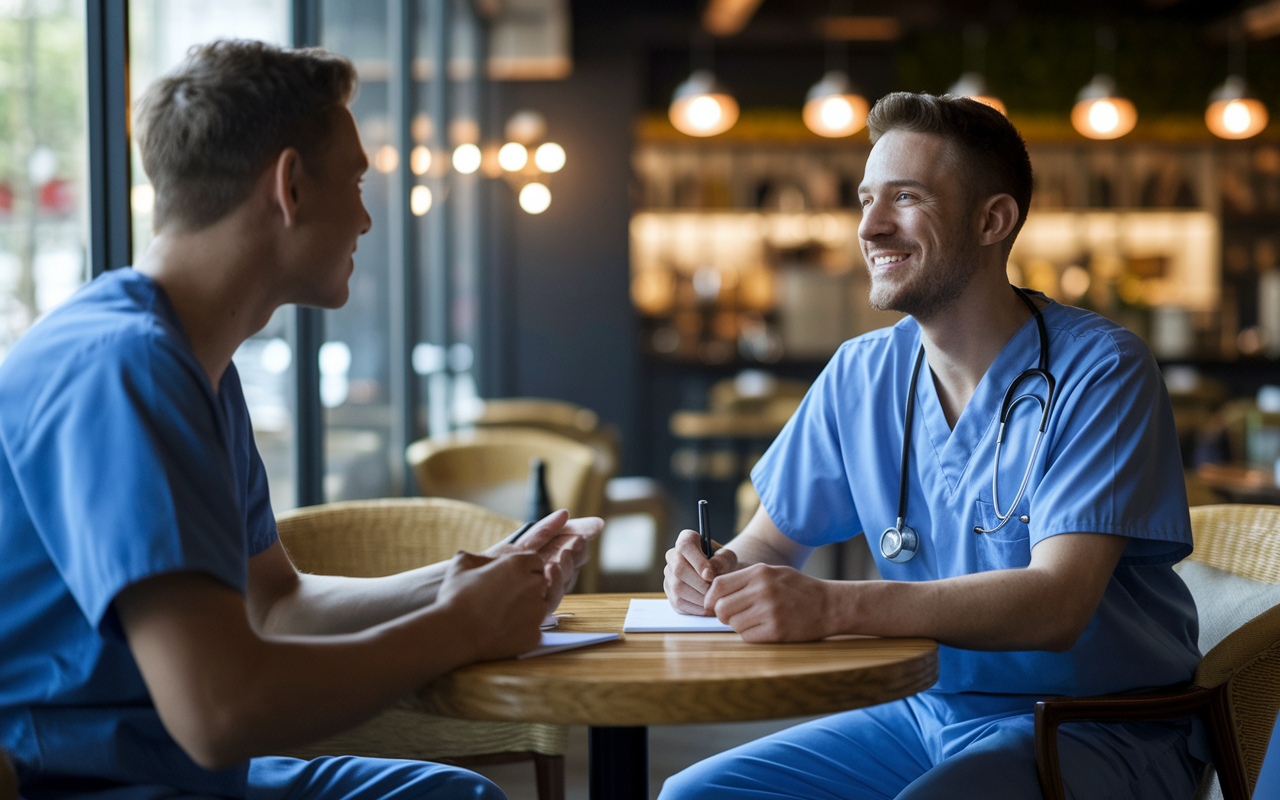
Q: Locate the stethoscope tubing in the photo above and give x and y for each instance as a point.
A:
(892, 546)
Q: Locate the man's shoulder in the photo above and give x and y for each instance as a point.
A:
(874, 347)
(1094, 334)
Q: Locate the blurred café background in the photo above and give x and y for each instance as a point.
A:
(621, 236)
(645, 212)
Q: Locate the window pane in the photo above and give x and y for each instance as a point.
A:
(354, 363)
(160, 33)
(43, 152)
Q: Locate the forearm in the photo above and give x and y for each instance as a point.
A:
(330, 604)
(1012, 609)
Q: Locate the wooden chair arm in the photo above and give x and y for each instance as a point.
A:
(1168, 704)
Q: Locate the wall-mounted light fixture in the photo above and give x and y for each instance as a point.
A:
(526, 160)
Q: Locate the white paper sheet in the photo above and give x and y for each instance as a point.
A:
(657, 616)
(555, 642)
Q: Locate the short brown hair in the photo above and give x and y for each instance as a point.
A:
(995, 156)
(209, 127)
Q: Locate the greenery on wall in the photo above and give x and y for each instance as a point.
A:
(1038, 65)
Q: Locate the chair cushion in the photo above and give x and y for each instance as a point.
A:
(1224, 600)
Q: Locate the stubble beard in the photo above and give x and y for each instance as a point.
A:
(926, 291)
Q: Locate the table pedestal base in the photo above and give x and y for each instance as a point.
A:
(619, 763)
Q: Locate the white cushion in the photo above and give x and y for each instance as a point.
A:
(1224, 600)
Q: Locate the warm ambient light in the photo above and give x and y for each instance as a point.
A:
(386, 159)
(1232, 114)
(512, 156)
(1100, 114)
(702, 107)
(535, 198)
(420, 160)
(973, 86)
(142, 199)
(834, 108)
(466, 158)
(549, 157)
(420, 200)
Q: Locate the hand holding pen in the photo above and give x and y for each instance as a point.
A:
(694, 562)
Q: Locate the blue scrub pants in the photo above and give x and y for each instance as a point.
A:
(351, 778)
(935, 746)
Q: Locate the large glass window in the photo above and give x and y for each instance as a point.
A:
(43, 155)
(160, 33)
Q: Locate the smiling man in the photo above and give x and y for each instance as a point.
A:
(156, 641)
(1040, 561)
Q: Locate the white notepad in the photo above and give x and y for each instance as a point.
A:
(555, 642)
(657, 616)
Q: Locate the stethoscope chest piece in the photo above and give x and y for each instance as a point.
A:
(899, 543)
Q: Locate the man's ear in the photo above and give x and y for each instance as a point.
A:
(997, 218)
(284, 180)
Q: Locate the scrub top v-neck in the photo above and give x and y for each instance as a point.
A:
(1109, 464)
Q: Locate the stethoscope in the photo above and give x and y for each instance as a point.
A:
(900, 543)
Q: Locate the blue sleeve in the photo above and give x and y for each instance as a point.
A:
(123, 465)
(260, 521)
(801, 478)
(1114, 465)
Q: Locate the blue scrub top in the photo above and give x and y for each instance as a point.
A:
(118, 462)
(1109, 464)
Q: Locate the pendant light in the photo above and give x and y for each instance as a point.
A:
(971, 83)
(1232, 113)
(834, 107)
(1100, 112)
(702, 106)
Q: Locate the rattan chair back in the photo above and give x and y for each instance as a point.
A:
(538, 412)
(1244, 540)
(372, 538)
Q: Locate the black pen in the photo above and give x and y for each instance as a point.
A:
(521, 531)
(704, 529)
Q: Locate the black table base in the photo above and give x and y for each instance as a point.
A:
(619, 763)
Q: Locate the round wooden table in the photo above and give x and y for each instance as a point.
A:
(619, 688)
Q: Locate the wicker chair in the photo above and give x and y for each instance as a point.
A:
(490, 468)
(371, 538)
(620, 495)
(1234, 575)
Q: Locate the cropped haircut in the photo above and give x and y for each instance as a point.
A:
(990, 154)
(209, 127)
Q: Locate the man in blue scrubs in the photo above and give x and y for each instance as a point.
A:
(156, 641)
(1073, 595)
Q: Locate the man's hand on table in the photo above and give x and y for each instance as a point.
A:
(766, 603)
(688, 575)
(561, 543)
(499, 602)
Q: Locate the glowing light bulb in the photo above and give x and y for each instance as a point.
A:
(1100, 113)
(1232, 114)
(466, 158)
(420, 160)
(535, 198)
(142, 199)
(549, 157)
(1103, 116)
(512, 156)
(973, 86)
(833, 107)
(420, 200)
(702, 107)
(386, 159)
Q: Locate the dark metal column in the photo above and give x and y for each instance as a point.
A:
(107, 56)
(307, 333)
(619, 763)
(439, 229)
(403, 268)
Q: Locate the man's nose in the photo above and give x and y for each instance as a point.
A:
(368, 220)
(875, 221)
